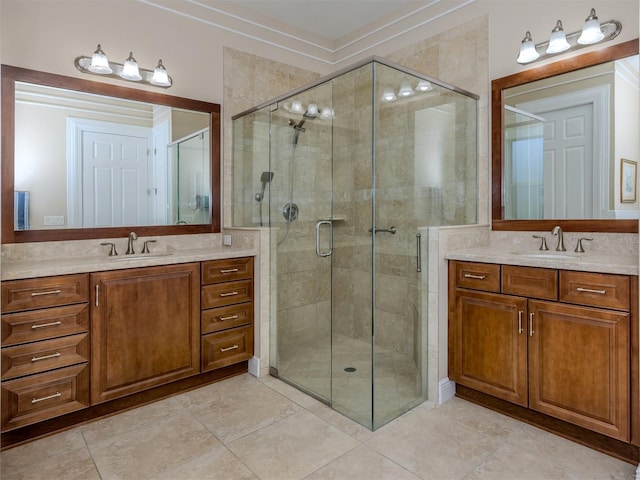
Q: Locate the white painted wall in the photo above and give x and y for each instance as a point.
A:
(48, 34)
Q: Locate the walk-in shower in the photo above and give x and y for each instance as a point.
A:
(359, 166)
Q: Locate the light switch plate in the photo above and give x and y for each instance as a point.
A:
(226, 240)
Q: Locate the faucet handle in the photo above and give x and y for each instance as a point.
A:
(112, 250)
(579, 248)
(543, 244)
(145, 247)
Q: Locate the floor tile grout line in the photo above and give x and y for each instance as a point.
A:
(93, 460)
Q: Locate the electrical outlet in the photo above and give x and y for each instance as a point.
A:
(53, 220)
(226, 239)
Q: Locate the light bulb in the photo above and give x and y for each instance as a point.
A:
(99, 62)
(312, 111)
(160, 76)
(424, 86)
(591, 31)
(326, 113)
(528, 52)
(130, 69)
(558, 41)
(388, 95)
(405, 89)
(296, 106)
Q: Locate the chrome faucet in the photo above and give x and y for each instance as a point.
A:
(132, 237)
(558, 231)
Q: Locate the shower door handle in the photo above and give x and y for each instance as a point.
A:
(319, 224)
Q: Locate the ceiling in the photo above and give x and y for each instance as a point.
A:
(328, 19)
(329, 31)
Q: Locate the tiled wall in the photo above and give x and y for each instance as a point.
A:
(457, 57)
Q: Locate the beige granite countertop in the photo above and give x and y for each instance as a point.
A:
(620, 263)
(21, 269)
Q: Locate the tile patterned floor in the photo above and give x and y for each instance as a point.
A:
(248, 428)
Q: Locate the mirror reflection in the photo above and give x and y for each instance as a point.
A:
(571, 145)
(87, 161)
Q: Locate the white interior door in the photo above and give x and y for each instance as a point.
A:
(576, 152)
(568, 163)
(114, 180)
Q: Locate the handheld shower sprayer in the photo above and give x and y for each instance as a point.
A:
(265, 178)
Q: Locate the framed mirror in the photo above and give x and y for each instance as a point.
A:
(539, 177)
(84, 159)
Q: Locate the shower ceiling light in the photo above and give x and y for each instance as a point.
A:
(592, 32)
(98, 64)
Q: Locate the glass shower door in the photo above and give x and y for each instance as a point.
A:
(300, 212)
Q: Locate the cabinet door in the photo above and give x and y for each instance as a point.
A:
(145, 328)
(491, 344)
(579, 366)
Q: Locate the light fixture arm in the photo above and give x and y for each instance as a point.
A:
(83, 62)
(611, 29)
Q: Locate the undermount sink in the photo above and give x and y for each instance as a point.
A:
(547, 255)
(141, 256)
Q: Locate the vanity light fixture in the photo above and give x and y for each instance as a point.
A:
(99, 64)
(405, 90)
(130, 70)
(592, 32)
(310, 111)
(388, 95)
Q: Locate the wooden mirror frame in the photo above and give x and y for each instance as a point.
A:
(498, 222)
(10, 75)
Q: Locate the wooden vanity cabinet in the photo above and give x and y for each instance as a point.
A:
(81, 347)
(45, 348)
(145, 328)
(554, 341)
(227, 312)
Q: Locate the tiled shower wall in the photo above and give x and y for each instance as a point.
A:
(457, 57)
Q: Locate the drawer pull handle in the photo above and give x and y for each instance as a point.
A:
(228, 294)
(589, 290)
(230, 270)
(46, 357)
(471, 275)
(230, 317)
(44, 325)
(519, 322)
(531, 332)
(233, 347)
(48, 397)
(50, 292)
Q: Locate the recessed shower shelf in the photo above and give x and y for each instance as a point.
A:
(337, 218)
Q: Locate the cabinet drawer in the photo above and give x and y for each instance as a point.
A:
(595, 289)
(45, 355)
(230, 293)
(216, 271)
(479, 276)
(530, 282)
(19, 295)
(44, 324)
(46, 395)
(221, 318)
(226, 348)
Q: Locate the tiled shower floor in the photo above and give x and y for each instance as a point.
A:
(397, 384)
(248, 428)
